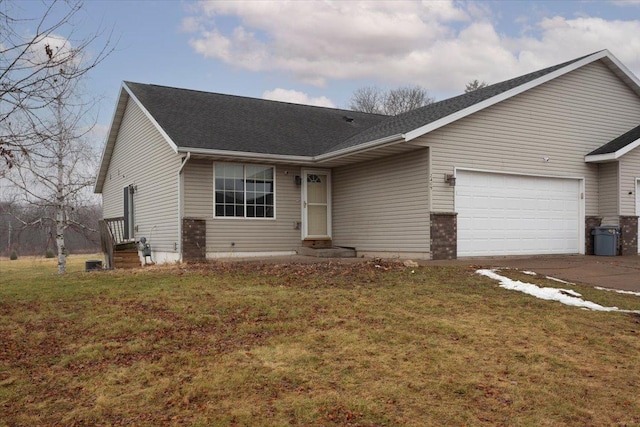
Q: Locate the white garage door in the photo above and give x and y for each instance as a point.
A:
(502, 214)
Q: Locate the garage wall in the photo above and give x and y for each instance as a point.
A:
(608, 193)
(383, 205)
(629, 171)
(561, 120)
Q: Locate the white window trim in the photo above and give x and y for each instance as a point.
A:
(244, 178)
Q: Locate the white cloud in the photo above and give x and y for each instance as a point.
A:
(296, 97)
(438, 44)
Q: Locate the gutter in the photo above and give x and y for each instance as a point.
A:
(360, 147)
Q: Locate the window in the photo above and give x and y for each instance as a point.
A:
(245, 191)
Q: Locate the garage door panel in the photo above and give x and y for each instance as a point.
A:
(500, 214)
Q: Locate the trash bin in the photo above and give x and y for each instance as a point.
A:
(605, 240)
(93, 264)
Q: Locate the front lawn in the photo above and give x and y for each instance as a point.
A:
(367, 344)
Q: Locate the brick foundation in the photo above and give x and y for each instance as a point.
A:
(194, 240)
(628, 235)
(444, 235)
(590, 222)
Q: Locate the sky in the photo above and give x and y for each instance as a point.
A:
(319, 52)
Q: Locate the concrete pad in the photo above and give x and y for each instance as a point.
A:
(616, 272)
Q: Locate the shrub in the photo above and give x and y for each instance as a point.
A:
(13, 256)
(49, 253)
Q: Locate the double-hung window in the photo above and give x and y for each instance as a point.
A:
(244, 191)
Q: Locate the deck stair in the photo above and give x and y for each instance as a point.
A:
(120, 250)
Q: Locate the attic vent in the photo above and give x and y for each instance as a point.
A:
(348, 119)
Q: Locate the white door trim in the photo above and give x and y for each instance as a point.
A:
(303, 206)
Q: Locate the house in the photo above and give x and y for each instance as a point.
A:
(526, 166)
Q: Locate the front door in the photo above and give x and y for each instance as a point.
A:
(316, 204)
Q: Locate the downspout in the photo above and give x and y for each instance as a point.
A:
(185, 160)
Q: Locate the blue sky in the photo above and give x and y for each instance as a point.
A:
(320, 52)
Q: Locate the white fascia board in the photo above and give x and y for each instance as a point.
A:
(173, 145)
(361, 147)
(114, 127)
(283, 158)
(612, 156)
(624, 70)
(247, 155)
(505, 95)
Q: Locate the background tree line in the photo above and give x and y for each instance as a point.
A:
(39, 237)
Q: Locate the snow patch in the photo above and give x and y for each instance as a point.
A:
(555, 279)
(530, 273)
(564, 296)
(618, 291)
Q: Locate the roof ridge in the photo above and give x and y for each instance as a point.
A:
(252, 98)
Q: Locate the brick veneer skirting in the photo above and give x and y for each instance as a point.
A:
(628, 235)
(590, 222)
(194, 240)
(444, 235)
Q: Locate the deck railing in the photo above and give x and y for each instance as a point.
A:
(112, 234)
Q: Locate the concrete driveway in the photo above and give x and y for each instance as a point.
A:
(617, 272)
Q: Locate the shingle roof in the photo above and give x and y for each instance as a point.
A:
(618, 143)
(194, 119)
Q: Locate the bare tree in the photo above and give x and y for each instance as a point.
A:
(474, 85)
(371, 99)
(35, 64)
(368, 99)
(59, 170)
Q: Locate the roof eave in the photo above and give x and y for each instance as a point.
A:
(283, 158)
(246, 155)
(607, 157)
(377, 143)
(114, 128)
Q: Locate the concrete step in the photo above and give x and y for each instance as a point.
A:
(335, 252)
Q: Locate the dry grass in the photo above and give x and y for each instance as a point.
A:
(323, 345)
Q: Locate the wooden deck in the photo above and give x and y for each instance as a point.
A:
(119, 250)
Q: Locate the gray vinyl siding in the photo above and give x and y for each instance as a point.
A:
(247, 234)
(383, 205)
(608, 191)
(563, 120)
(142, 157)
(629, 172)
